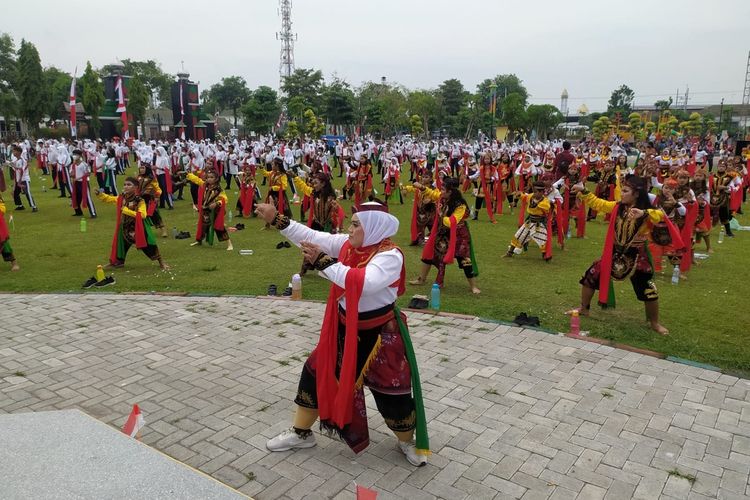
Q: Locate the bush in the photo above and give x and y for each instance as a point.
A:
(53, 133)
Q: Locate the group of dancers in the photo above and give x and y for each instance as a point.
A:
(663, 204)
(678, 196)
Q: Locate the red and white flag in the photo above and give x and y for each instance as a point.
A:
(182, 113)
(121, 108)
(73, 105)
(365, 493)
(134, 423)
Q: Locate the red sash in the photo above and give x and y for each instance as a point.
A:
(4, 234)
(428, 253)
(562, 225)
(414, 227)
(336, 397)
(605, 266)
(581, 220)
(218, 221)
(247, 196)
(522, 212)
(687, 235)
(499, 197)
(487, 196)
(113, 252)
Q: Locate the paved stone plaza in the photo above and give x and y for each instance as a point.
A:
(512, 413)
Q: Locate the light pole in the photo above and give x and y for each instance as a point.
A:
(493, 97)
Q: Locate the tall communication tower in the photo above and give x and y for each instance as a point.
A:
(746, 95)
(286, 60)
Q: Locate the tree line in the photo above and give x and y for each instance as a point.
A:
(314, 105)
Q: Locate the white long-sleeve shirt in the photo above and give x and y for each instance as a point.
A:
(20, 170)
(81, 170)
(162, 164)
(383, 270)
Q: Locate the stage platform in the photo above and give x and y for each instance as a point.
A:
(70, 455)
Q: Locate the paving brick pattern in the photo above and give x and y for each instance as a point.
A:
(513, 413)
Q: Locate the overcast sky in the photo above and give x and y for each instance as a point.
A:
(589, 47)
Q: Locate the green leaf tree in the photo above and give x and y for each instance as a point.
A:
(57, 91)
(506, 85)
(313, 126)
(425, 104)
(208, 105)
(307, 84)
(416, 126)
(93, 97)
(137, 100)
(695, 124)
(601, 127)
(158, 84)
(663, 105)
(292, 130)
(8, 98)
(621, 101)
(453, 97)
(338, 103)
(543, 118)
(262, 111)
(514, 112)
(635, 125)
(30, 85)
(709, 123)
(230, 93)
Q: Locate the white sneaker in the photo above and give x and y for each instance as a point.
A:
(290, 440)
(410, 451)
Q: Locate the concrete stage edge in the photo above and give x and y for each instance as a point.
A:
(68, 454)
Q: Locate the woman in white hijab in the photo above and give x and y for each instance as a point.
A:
(163, 171)
(363, 340)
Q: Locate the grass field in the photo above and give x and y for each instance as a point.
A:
(704, 313)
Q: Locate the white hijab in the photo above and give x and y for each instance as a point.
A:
(376, 224)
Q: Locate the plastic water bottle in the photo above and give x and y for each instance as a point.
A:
(44, 188)
(99, 273)
(721, 236)
(174, 232)
(435, 297)
(83, 225)
(575, 323)
(296, 287)
(568, 234)
(676, 275)
(246, 252)
(230, 215)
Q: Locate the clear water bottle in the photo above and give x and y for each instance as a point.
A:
(230, 215)
(245, 251)
(296, 287)
(721, 236)
(174, 232)
(83, 225)
(435, 297)
(676, 275)
(44, 188)
(568, 234)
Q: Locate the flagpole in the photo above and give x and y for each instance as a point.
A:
(493, 88)
(72, 103)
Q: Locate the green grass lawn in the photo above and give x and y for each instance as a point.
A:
(704, 314)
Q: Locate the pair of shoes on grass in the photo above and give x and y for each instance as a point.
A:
(108, 280)
(283, 244)
(272, 291)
